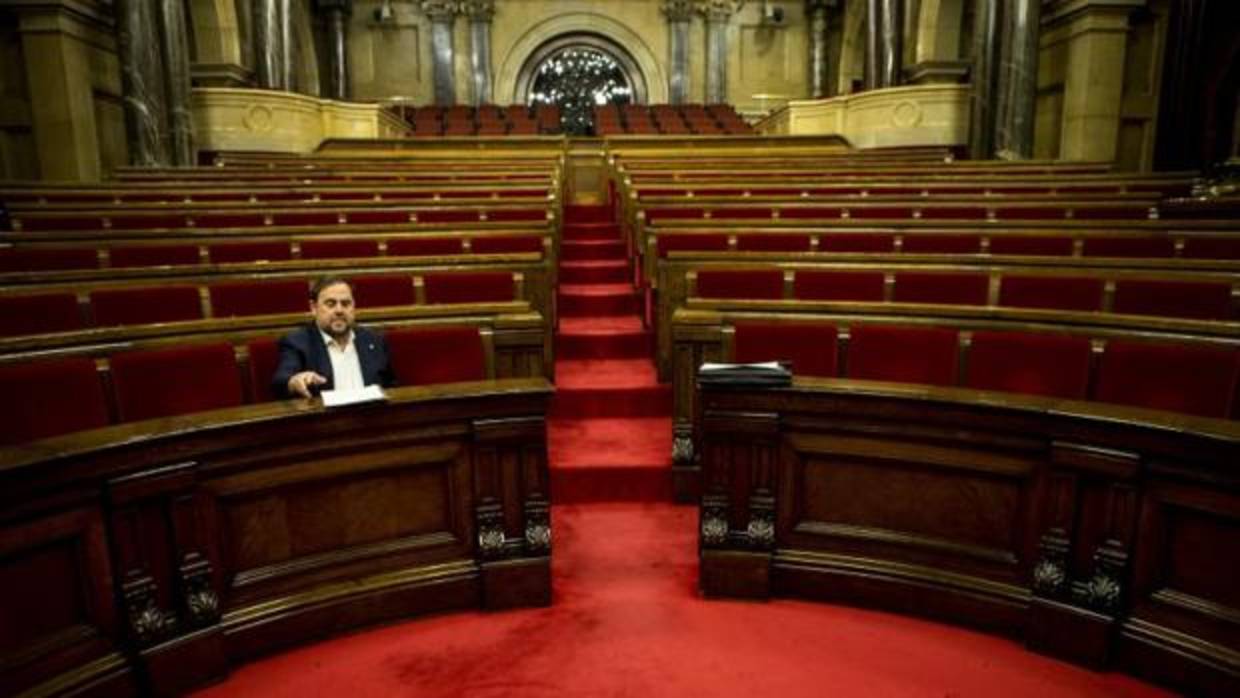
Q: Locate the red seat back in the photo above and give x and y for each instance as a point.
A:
(382, 291)
(1029, 363)
(339, 249)
(136, 306)
(1031, 245)
(470, 287)
(838, 286)
(153, 255)
(949, 288)
(237, 252)
(695, 243)
(264, 358)
(1153, 247)
(49, 398)
(245, 298)
(1194, 379)
(500, 245)
(811, 347)
(903, 354)
(48, 259)
(1178, 299)
(173, 381)
(1051, 292)
(754, 284)
(934, 243)
(423, 355)
(773, 242)
(857, 242)
(424, 247)
(40, 312)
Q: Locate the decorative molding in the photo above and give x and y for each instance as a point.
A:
(761, 527)
(678, 10)
(202, 605)
(719, 10)
(478, 10)
(490, 531)
(147, 621)
(714, 525)
(537, 527)
(682, 445)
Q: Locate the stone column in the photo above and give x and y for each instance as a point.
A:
(678, 13)
(268, 37)
(1094, 84)
(891, 51)
(177, 81)
(1018, 80)
(984, 78)
(336, 15)
(873, 43)
(819, 70)
(718, 14)
(57, 44)
(480, 13)
(442, 14)
(142, 79)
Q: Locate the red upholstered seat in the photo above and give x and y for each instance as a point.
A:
(40, 312)
(229, 220)
(264, 357)
(240, 252)
(838, 286)
(471, 287)
(449, 216)
(48, 398)
(903, 354)
(1051, 292)
(136, 306)
(48, 259)
(422, 247)
(305, 218)
(942, 244)
(1179, 299)
(244, 298)
(1128, 247)
(178, 380)
(422, 355)
(857, 242)
(773, 242)
(1212, 247)
(1031, 245)
(500, 245)
(694, 243)
(1194, 379)
(754, 284)
(1030, 363)
(339, 249)
(811, 347)
(153, 255)
(949, 288)
(383, 291)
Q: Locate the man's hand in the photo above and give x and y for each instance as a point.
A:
(300, 383)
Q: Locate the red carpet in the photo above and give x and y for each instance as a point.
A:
(626, 619)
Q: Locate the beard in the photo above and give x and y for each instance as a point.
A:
(338, 328)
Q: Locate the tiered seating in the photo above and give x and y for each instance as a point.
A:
(668, 119)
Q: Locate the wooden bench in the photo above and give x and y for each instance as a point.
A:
(1101, 534)
(444, 487)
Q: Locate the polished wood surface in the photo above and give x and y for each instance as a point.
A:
(155, 555)
(1104, 535)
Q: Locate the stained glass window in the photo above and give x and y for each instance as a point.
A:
(578, 78)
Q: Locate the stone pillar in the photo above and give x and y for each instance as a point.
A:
(718, 14)
(873, 42)
(268, 37)
(176, 75)
(1098, 32)
(56, 44)
(142, 79)
(336, 17)
(819, 70)
(1018, 80)
(984, 78)
(891, 46)
(678, 13)
(480, 13)
(442, 14)
(288, 59)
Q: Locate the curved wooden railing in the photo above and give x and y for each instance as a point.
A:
(1101, 534)
(153, 556)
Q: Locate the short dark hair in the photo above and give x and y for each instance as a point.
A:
(325, 281)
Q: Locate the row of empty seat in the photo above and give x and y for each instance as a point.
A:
(485, 120)
(669, 119)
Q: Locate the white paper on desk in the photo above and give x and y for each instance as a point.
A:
(336, 398)
(766, 365)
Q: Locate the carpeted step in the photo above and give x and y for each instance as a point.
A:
(591, 231)
(620, 337)
(582, 213)
(581, 300)
(598, 271)
(643, 401)
(605, 373)
(610, 459)
(575, 250)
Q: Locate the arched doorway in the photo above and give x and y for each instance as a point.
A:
(578, 72)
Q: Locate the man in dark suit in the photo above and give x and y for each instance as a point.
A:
(331, 352)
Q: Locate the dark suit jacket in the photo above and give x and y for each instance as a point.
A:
(303, 350)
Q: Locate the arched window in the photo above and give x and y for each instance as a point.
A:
(577, 73)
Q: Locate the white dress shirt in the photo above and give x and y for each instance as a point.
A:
(346, 368)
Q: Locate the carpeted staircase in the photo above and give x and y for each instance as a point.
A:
(609, 432)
